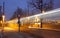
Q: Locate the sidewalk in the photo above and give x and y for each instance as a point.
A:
(46, 28)
(50, 29)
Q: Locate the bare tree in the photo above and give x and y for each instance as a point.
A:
(18, 11)
(40, 5)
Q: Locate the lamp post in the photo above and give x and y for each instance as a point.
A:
(19, 23)
(3, 19)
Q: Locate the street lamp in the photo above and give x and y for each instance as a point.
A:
(19, 23)
(3, 20)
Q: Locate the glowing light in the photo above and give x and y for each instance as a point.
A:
(49, 12)
(8, 29)
(33, 27)
(1, 21)
(43, 11)
(3, 17)
(28, 18)
(40, 15)
(38, 23)
(29, 27)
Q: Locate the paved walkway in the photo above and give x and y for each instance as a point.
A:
(16, 35)
(44, 33)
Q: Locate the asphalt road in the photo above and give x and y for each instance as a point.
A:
(12, 34)
(32, 33)
(43, 33)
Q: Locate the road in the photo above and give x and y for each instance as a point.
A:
(32, 33)
(18, 35)
(14, 34)
(43, 33)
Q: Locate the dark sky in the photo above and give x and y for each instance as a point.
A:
(11, 6)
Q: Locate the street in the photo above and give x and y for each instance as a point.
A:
(17, 35)
(32, 33)
(29, 19)
(45, 33)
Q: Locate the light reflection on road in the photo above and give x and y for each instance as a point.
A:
(6, 29)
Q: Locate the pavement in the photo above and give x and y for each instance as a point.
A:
(32, 33)
(15, 35)
(44, 33)
(46, 29)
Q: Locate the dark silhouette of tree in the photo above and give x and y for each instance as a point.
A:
(0, 13)
(40, 5)
(19, 11)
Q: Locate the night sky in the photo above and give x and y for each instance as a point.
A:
(11, 6)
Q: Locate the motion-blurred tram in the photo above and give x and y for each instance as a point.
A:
(36, 19)
(51, 15)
